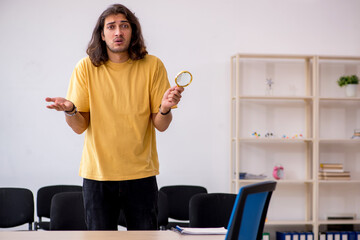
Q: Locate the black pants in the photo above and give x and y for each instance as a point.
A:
(103, 201)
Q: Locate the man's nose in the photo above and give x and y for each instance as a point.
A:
(118, 31)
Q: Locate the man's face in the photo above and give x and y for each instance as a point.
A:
(117, 33)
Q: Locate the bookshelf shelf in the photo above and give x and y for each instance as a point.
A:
(339, 182)
(339, 141)
(278, 181)
(274, 140)
(289, 223)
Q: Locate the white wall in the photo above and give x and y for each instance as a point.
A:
(41, 41)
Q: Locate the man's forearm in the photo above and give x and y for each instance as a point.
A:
(78, 122)
(161, 122)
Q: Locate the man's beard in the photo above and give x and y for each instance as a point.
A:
(119, 50)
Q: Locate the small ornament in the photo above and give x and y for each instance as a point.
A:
(285, 137)
(269, 87)
(255, 134)
(269, 135)
(297, 136)
(356, 134)
(278, 172)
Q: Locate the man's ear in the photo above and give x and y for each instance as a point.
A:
(102, 35)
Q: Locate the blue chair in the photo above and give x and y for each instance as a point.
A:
(249, 212)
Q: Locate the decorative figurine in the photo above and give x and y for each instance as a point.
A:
(285, 137)
(269, 135)
(269, 88)
(278, 172)
(255, 134)
(356, 134)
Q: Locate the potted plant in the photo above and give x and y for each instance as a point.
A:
(350, 82)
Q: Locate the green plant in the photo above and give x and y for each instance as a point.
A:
(345, 80)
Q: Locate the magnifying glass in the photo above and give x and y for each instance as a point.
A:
(183, 79)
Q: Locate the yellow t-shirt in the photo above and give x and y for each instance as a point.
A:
(120, 140)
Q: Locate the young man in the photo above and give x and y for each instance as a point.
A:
(119, 94)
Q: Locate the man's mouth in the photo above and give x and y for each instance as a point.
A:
(118, 40)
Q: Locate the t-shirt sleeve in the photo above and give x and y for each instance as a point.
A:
(159, 86)
(78, 88)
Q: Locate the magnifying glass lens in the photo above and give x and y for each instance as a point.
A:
(183, 79)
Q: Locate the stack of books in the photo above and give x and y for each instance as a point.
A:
(333, 171)
(295, 235)
(350, 235)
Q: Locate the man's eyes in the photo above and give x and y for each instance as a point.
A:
(122, 26)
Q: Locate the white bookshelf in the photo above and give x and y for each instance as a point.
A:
(305, 100)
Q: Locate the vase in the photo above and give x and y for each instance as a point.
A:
(350, 90)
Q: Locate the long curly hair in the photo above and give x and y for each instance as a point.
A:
(97, 49)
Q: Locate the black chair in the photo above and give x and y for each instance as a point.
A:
(248, 216)
(16, 207)
(211, 209)
(178, 199)
(43, 202)
(67, 211)
(163, 212)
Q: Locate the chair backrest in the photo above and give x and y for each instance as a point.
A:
(45, 194)
(178, 197)
(163, 212)
(248, 216)
(67, 211)
(211, 209)
(16, 207)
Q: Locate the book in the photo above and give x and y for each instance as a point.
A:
(322, 236)
(294, 236)
(266, 236)
(333, 178)
(329, 236)
(344, 236)
(341, 216)
(283, 236)
(309, 236)
(331, 170)
(331, 165)
(337, 236)
(245, 175)
(334, 174)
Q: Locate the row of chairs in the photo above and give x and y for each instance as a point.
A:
(63, 205)
(193, 206)
(17, 206)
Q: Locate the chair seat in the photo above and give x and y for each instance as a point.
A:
(43, 225)
(171, 225)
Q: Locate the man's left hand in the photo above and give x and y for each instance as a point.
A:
(171, 97)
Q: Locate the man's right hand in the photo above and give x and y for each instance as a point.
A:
(60, 104)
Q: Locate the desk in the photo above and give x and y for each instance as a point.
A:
(103, 235)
